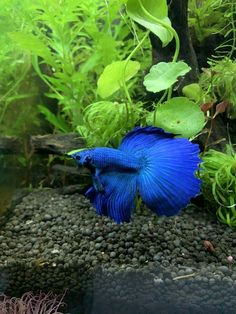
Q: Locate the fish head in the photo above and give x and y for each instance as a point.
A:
(83, 158)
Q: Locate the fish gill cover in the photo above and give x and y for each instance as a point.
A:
(149, 161)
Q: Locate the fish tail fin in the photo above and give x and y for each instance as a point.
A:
(167, 181)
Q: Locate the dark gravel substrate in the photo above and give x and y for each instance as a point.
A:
(55, 241)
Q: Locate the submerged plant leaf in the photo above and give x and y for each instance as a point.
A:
(57, 121)
(114, 75)
(207, 106)
(180, 116)
(29, 42)
(221, 107)
(147, 13)
(193, 91)
(164, 74)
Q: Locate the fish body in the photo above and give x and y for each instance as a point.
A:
(107, 158)
(149, 161)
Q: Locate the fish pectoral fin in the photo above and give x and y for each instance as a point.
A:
(98, 184)
(113, 194)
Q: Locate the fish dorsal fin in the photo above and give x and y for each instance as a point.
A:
(142, 138)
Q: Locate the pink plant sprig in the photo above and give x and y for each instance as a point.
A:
(42, 303)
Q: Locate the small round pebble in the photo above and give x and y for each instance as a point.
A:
(58, 240)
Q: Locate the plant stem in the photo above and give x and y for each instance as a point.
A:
(126, 63)
(208, 135)
(159, 102)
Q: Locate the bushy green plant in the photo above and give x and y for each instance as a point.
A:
(228, 47)
(106, 122)
(218, 172)
(206, 17)
(153, 15)
(217, 85)
(70, 43)
(209, 17)
(219, 81)
(17, 83)
(74, 45)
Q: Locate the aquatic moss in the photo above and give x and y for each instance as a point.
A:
(218, 172)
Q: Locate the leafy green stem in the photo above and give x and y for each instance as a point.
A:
(127, 61)
(36, 67)
(159, 102)
(171, 30)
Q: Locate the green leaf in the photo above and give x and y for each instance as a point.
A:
(57, 121)
(164, 74)
(152, 14)
(114, 75)
(180, 116)
(192, 91)
(31, 43)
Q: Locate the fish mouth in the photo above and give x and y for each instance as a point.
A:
(90, 167)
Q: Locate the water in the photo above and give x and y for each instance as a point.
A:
(9, 181)
(53, 240)
(6, 193)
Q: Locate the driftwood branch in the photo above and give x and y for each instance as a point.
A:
(60, 144)
(57, 144)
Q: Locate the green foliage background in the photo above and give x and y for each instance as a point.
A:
(58, 49)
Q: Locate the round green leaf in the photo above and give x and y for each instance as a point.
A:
(113, 76)
(164, 74)
(192, 91)
(180, 116)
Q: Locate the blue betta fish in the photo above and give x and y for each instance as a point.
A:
(149, 162)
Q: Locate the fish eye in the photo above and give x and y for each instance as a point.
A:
(78, 157)
(87, 159)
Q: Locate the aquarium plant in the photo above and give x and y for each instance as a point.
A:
(29, 303)
(70, 44)
(215, 92)
(148, 159)
(218, 173)
(18, 87)
(214, 18)
(172, 114)
(206, 17)
(73, 47)
(218, 83)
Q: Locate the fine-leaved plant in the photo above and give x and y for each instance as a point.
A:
(17, 83)
(218, 172)
(70, 44)
(216, 87)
